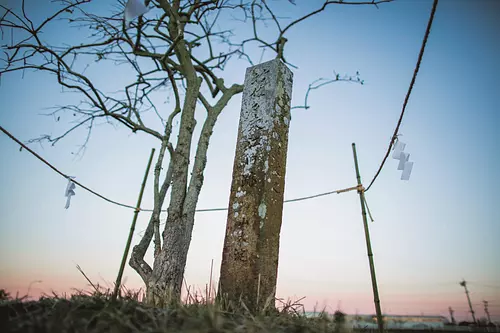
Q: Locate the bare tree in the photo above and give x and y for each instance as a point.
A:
(179, 45)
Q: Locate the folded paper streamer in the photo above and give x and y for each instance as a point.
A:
(134, 9)
(403, 158)
(70, 191)
(407, 171)
(404, 163)
(398, 149)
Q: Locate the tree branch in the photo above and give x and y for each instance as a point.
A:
(200, 159)
(316, 84)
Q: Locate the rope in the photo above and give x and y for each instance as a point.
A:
(415, 72)
(62, 174)
(368, 210)
(150, 210)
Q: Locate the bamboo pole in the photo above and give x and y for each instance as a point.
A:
(132, 229)
(368, 244)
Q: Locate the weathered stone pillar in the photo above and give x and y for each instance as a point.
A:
(251, 247)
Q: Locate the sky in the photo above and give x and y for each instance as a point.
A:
(429, 233)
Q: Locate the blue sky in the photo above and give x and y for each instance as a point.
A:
(428, 234)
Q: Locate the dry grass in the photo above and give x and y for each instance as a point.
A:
(96, 312)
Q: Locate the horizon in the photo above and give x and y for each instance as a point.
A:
(429, 233)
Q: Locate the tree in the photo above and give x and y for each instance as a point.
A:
(482, 322)
(179, 45)
(4, 295)
(338, 317)
(339, 320)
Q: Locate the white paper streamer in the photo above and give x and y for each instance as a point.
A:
(69, 192)
(403, 158)
(398, 148)
(133, 10)
(407, 171)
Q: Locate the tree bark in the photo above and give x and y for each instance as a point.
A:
(165, 282)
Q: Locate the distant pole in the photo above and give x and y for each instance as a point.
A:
(453, 322)
(368, 244)
(132, 229)
(486, 311)
(210, 283)
(463, 283)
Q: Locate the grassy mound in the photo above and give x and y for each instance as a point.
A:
(97, 313)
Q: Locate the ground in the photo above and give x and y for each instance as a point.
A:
(97, 313)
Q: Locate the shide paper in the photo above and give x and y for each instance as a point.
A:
(404, 164)
(407, 171)
(403, 158)
(70, 191)
(134, 9)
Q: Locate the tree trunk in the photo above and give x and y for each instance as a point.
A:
(164, 285)
(164, 280)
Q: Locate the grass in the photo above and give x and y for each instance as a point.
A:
(96, 312)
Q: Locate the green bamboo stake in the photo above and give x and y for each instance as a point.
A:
(368, 244)
(132, 229)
